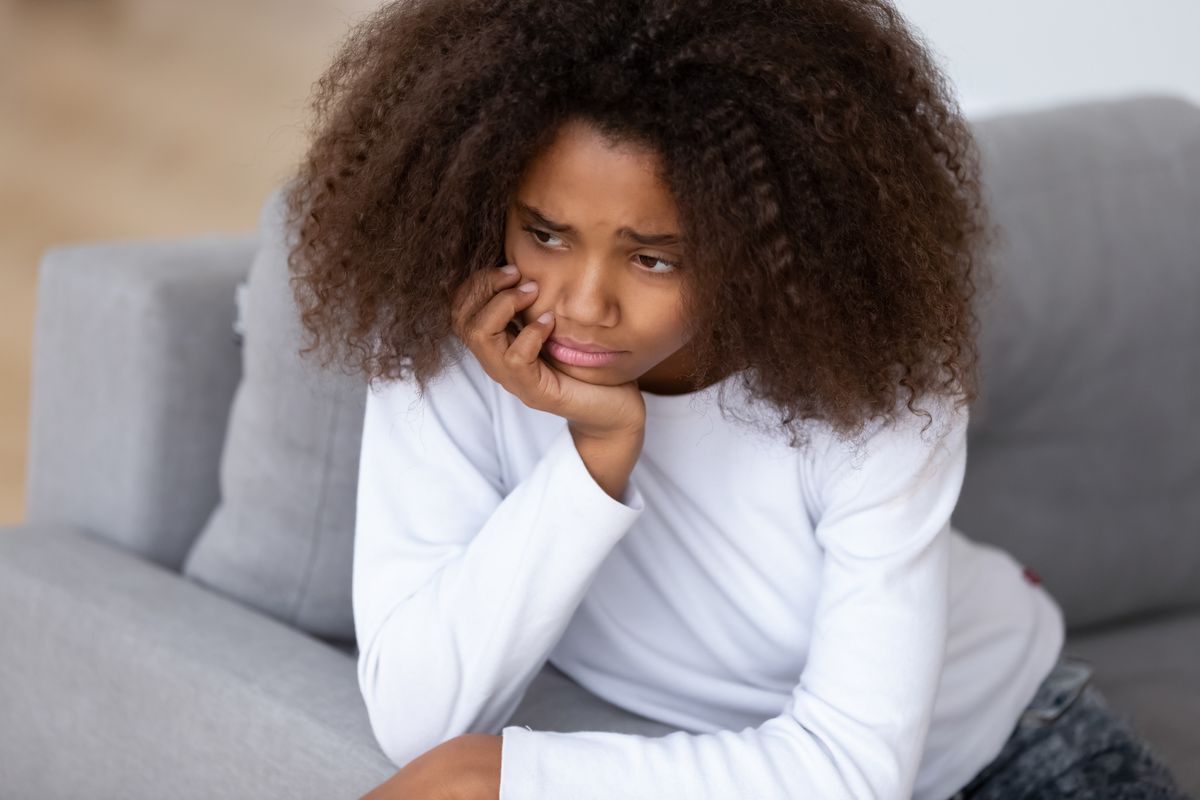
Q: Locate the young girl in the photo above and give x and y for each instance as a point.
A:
(666, 309)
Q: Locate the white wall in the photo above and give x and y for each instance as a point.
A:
(1020, 54)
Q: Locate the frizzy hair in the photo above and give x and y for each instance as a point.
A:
(826, 182)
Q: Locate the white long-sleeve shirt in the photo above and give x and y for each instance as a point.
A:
(807, 618)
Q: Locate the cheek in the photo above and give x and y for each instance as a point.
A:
(510, 248)
(667, 318)
(514, 243)
(524, 253)
(664, 330)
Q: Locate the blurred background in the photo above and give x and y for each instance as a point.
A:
(124, 119)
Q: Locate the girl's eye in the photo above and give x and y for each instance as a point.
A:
(674, 266)
(534, 232)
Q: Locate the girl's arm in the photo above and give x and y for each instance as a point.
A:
(610, 460)
(855, 725)
(466, 767)
(460, 590)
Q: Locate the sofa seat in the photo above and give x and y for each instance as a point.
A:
(140, 683)
(1147, 670)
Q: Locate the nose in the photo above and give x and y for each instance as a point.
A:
(587, 295)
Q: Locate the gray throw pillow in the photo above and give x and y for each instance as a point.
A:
(281, 538)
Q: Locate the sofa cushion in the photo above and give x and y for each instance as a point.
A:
(1084, 450)
(281, 537)
(119, 678)
(1147, 671)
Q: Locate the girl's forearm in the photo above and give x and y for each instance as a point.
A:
(476, 766)
(610, 459)
(466, 767)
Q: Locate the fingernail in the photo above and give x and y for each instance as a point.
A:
(509, 269)
(528, 286)
(546, 316)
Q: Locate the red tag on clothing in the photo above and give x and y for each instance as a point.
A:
(1032, 576)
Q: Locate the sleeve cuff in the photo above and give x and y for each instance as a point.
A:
(517, 779)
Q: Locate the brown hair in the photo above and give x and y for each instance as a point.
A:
(826, 182)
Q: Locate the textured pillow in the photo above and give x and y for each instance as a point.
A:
(281, 538)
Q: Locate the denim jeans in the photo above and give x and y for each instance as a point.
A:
(1070, 743)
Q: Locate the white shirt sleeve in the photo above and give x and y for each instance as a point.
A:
(856, 722)
(460, 592)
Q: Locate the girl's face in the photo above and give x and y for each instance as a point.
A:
(574, 227)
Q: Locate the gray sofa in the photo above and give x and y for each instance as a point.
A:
(175, 610)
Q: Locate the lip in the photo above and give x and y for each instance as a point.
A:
(582, 347)
(579, 358)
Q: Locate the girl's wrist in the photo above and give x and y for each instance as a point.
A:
(473, 766)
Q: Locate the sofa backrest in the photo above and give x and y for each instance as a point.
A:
(1084, 450)
(133, 372)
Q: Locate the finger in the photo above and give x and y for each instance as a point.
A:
(530, 378)
(489, 328)
(522, 354)
(476, 291)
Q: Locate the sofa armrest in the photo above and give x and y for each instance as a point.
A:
(135, 363)
(122, 679)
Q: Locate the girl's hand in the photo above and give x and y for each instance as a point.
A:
(466, 767)
(482, 308)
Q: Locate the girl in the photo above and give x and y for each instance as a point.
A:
(551, 235)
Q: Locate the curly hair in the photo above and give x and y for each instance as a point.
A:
(824, 175)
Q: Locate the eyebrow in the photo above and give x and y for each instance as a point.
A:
(624, 232)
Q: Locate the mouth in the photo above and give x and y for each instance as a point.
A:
(583, 347)
(579, 358)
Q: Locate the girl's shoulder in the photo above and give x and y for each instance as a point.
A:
(460, 389)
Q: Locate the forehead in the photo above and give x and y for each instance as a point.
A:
(583, 178)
